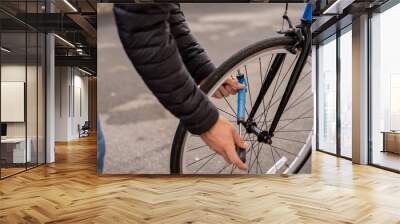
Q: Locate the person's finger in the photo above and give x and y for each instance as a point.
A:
(234, 158)
(218, 94)
(233, 83)
(220, 152)
(230, 89)
(238, 141)
(225, 156)
(223, 91)
(240, 86)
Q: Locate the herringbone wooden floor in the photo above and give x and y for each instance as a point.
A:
(69, 191)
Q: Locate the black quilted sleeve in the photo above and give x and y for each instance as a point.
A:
(145, 34)
(194, 56)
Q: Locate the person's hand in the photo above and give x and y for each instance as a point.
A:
(222, 138)
(230, 87)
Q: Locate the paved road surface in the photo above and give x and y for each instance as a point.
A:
(138, 130)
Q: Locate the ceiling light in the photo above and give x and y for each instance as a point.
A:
(5, 50)
(84, 71)
(65, 41)
(70, 5)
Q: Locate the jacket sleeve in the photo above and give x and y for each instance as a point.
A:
(145, 35)
(194, 56)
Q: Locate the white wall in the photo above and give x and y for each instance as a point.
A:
(80, 110)
(62, 81)
(70, 83)
(16, 73)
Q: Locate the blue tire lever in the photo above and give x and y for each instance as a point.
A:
(241, 112)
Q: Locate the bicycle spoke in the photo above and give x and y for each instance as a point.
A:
(290, 140)
(293, 106)
(256, 156)
(251, 149)
(230, 106)
(254, 143)
(295, 119)
(205, 157)
(249, 140)
(300, 95)
(248, 85)
(251, 153)
(223, 168)
(273, 157)
(255, 159)
(205, 163)
(196, 148)
(273, 93)
(304, 76)
(297, 84)
(268, 67)
(290, 119)
(258, 161)
(272, 148)
(233, 168)
(291, 153)
(277, 100)
(294, 130)
(276, 88)
(227, 113)
(261, 78)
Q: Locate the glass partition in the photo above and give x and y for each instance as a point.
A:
(13, 109)
(32, 86)
(22, 77)
(385, 89)
(327, 96)
(41, 97)
(31, 99)
(346, 93)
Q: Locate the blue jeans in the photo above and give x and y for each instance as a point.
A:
(101, 148)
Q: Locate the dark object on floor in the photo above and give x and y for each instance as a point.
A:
(84, 130)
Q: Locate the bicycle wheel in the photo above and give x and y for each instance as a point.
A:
(291, 143)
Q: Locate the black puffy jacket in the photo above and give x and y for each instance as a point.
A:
(171, 62)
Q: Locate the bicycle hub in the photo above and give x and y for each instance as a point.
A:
(262, 136)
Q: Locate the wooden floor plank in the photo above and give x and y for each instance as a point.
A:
(69, 191)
